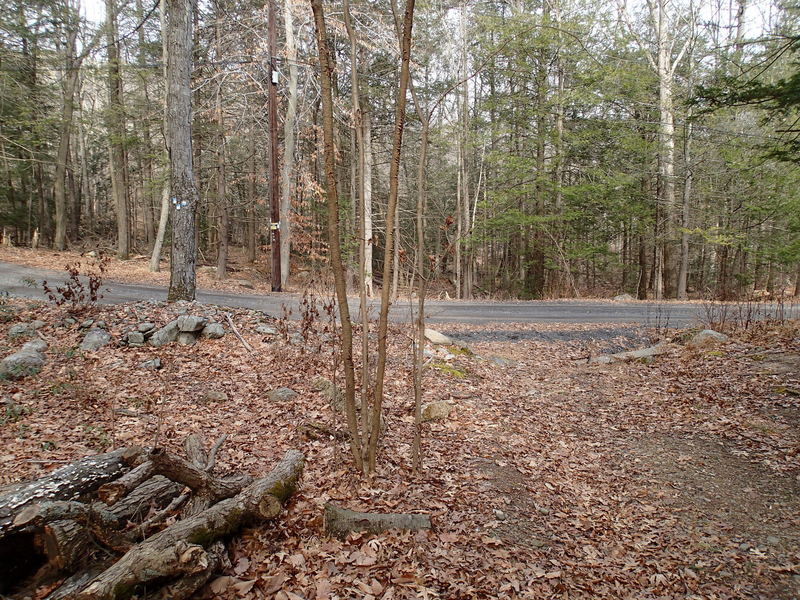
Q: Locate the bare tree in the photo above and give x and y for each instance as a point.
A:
(391, 211)
(178, 128)
(346, 343)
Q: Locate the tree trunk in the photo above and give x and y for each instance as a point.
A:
(391, 211)
(346, 343)
(366, 122)
(288, 145)
(222, 200)
(116, 133)
(178, 126)
(252, 230)
(70, 84)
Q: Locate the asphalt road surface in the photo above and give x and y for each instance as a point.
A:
(25, 282)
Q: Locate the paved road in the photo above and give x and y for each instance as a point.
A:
(25, 282)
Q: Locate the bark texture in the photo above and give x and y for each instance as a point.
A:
(339, 522)
(179, 550)
(178, 126)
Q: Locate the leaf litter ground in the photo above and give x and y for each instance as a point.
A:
(551, 477)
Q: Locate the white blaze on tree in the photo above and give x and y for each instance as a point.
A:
(178, 127)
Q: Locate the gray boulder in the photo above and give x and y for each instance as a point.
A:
(37, 324)
(146, 327)
(213, 331)
(435, 337)
(21, 364)
(214, 396)
(645, 354)
(94, 340)
(135, 338)
(327, 388)
(186, 338)
(501, 361)
(34, 346)
(151, 365)
(436, 411)
(281, 394)
(165, 335)
(191, 323)
(20, 330)
(706, 338)
(266, 330)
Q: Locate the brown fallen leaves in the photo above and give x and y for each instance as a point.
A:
(549, 479)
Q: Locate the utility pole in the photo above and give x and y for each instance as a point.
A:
(274, 192)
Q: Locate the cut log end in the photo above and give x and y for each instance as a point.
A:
(269, 507)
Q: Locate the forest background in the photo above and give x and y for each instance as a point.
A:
(558, 148)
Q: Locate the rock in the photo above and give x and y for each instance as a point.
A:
(191, 323)
(281, 394)
(501, 362)
(21, 364)
(245, 283)
(214, 396)
(151, 365)
(500, 515)
(186, 338)
(87, 323)
(707, 337)
(135, 338)
(773, 540)
(266, 330)
(645, 354)
(435, 337)
(20, 330)
(94, 340)
(100, 324)
(321, 383)
(165, 335)
(213, 331)
(327, 388)
(146, 327)
(69, 322)
(34, 346)
(296, 339)
(623, 298)
(436, 411)
(37, 324)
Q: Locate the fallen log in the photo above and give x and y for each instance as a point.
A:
(65, 544)
(74, 584)
(193, 476)
(21, 549)
(67, 483)
(113, 491)
(156, 492)
(339, 522)
(180, 551)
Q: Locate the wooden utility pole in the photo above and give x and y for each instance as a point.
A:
(274, 190)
